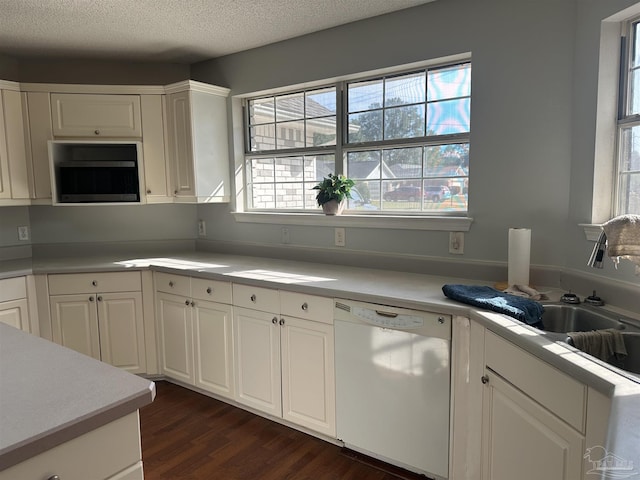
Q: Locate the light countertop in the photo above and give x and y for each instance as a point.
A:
(50, 394)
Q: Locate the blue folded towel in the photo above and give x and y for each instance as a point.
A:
(520, 308)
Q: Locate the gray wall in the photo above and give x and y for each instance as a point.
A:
(525, 97)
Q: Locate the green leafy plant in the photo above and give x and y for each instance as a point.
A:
(333, 187)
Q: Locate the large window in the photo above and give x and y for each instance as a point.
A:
(628, 177)
(403, 138)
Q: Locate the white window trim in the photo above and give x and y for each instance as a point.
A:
(402, 222)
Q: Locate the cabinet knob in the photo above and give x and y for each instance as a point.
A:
(484, 379)
(441, 320)
(186, 302)
(97, 132)
(94, 283)
(282, 321)
(171, 284)
(253, 298)
(91, 299)
(193, 304)
(99, 298)
(148, 191)
(274, 320)
(305, 307)
(209, 290)
(54, 477)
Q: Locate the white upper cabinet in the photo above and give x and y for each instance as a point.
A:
(197, 142)
(87, 115)
(156, 166)
(14, 178)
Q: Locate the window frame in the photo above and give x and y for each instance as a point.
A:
(419, 219)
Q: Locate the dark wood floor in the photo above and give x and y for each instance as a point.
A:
(189, 436)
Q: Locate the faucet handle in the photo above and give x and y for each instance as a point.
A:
(570, 298)
(593, 299)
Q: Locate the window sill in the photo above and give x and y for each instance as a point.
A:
(591, 231)
(447, 224)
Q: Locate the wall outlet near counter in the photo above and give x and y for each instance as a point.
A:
(202, 228)
(340, 239)
(23, 233)
(456, 243)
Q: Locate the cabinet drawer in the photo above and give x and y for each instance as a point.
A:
(70, 283)
(99, 454)
(257, 298)
(212, 290)
(12, 289)
(547, 385)
(309, 307)
(170, 283)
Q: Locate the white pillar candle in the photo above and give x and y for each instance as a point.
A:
(519, 256)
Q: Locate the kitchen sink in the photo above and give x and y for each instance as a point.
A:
(561, 318)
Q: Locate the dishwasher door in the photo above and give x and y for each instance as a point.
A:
(393, 384)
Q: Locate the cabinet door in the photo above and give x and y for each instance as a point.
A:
(180, 143)
(74, 321)
(121, 329)
(38, 106)
(83, 115)
(213, 343)
(15, 313)
(14, 181)
(308, 379)
(176, 336)
(155, 165)
(257, 360)
(523, 440)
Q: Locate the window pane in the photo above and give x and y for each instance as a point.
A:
(363, 165)
(262, 137)
(365, 95)
(316, 167)
(365, 196)
(310, 202)
(365, 127)
(263, 196)
(402, 195)
(288, 169)
(634, 92)
(289, 107)
(261, 110)
(449, 82)
(321, 102)
(629, 196)
(447, 160)
(448, 117)
(262, 170)
(290, 135)
(629, 180)
(404, 122)
(402, 163)
(289, 195)
(405, 89)
(321, 132)
(635, 47)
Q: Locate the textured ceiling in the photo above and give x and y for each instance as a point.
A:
(182, 31)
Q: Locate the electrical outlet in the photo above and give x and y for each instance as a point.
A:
(340, 239)
(286, 236)
(456, 243)
(23, 233)
(202, 228)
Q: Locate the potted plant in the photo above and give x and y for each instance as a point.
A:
(332, 192)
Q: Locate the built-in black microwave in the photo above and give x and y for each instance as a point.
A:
(96, 172)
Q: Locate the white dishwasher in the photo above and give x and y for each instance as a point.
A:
(393, 384)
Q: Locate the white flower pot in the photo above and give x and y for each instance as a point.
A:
(332, 207)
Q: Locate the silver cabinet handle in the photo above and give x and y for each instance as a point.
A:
(209, 290)
(94, 283)
(97, 132)
(282, 321)
(99, 298)
(148, 191)
(484, 379)
(441, 320)
(193, 304)
(274, 320)
(253, 298)
(171, 284)
(91, 299)
(54, 477)
(305, 307)
(186, 302)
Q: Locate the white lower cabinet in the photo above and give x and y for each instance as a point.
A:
(110, 452)
(533, 418)
(100, 315)
(195, 332)
(285, 364)
(14, 307)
